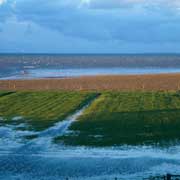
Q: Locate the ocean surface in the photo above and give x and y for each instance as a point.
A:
(24, 66)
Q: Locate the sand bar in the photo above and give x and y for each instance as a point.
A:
(116, 82)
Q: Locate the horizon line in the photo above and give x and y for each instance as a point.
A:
(41, 53)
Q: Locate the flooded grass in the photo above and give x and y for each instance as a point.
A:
(41, 109)
(114, 118)
(118, 118)
(32, 155)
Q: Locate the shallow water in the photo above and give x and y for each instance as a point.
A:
(61, 73)
(40, 158)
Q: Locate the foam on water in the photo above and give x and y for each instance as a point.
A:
(10, 137)
(17, 118)
(60, 128)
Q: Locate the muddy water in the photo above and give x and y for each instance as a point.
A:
(40, 159)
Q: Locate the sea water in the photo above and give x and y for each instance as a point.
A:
(24, 66)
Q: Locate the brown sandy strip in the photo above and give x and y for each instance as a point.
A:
(120, 82)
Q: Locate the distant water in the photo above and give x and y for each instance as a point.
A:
(57, 66)
(61, 73)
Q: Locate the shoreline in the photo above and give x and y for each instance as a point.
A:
(148, 82)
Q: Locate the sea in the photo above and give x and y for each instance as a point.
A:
(31, 66)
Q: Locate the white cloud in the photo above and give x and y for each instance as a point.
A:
(2, 2)
(96, 20)
(107, 4)
(90, 21)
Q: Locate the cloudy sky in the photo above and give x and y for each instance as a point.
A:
(90, 26)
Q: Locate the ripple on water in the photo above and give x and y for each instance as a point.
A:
(17, 118)
(1, 119)
(11, 138)
(37, 167)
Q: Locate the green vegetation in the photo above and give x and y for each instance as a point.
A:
(41, 109)
(117, 118)
(114, 118)
(5, 93)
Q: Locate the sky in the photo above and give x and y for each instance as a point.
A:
(90, 26)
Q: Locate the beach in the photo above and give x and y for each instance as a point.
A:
(148, 82)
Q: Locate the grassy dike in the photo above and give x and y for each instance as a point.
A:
(117, 118)
(42, 109)
(113, 118)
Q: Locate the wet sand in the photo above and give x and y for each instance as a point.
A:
(108, 82)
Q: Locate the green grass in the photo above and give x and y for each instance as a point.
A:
(114, 118)
(5, 93)
(42, 109)
(117, 118)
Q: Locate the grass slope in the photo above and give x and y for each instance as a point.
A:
(42, 109)
(5, 93)
(117, 118)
